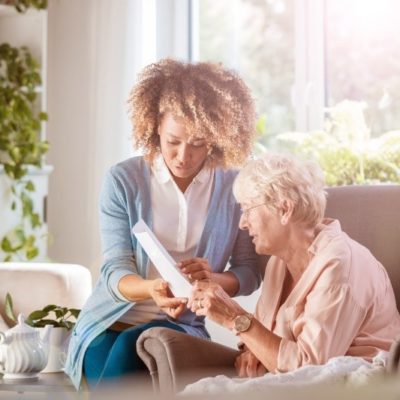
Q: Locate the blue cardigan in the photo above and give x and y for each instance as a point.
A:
(125, 198)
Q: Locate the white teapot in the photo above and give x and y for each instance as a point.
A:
(23, 352)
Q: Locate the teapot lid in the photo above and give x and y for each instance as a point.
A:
(22, 327)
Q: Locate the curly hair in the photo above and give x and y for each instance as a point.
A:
(214, 102)
(277, 177)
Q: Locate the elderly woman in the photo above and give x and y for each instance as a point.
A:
(193, 122)
(324, 295)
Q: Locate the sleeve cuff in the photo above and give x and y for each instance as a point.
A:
(287, 356)
(113, 282)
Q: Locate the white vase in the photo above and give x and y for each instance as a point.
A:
(58, 347)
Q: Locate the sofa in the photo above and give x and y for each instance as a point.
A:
(369, 214)
(35, 285)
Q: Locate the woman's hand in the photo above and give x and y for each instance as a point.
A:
(210, 300)
(163, 297)
(196, 269)
(248, 366)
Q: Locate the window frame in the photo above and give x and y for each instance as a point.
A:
(308, 92)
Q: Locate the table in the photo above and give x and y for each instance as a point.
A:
(51, 385)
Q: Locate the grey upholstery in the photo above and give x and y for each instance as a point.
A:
(175, 359)
(369, 214)
(393, 366)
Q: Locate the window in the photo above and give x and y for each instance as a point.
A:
(363, 58)
(300, 56)
(256, 38)
(328, 68)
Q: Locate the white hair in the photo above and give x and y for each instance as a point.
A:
(277, 177)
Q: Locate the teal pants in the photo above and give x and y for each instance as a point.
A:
(113, 354)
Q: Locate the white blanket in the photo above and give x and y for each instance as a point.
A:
(346, 369)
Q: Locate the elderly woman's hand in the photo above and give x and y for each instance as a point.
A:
(163, 297)
(248, 366)
(196, 269)
(209, 299)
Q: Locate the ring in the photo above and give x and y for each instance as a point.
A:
(199, 305)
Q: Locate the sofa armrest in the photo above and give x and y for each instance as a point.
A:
(175, 359)
(393, 365)
(35, 285)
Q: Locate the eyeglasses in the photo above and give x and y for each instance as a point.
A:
(245, 212)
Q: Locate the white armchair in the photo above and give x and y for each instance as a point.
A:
(35, 285)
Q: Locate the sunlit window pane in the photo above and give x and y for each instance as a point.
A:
(255, 37)
(363, 58)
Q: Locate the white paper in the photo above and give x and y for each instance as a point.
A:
(161, 259)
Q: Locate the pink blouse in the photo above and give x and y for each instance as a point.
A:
(343, 304)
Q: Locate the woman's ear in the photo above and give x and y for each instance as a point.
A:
(286, 211)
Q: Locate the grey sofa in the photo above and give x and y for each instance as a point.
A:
(369, 214)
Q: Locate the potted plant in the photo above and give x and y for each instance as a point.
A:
(21, 148)
(61, 318)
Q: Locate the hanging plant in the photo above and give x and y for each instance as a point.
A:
(20, 144)
(22, 5)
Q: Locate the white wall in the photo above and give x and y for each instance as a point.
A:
(95, 50)
(91, 68)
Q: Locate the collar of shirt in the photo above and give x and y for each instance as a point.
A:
(162, 174)
(331, 229)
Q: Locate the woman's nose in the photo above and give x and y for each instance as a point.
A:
(184, 154)
(243, 221)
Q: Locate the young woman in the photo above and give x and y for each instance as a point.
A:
(193, 122)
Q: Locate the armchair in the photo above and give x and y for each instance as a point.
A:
(369, 214)
(35, 285)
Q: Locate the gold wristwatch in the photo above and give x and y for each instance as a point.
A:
(242, 323)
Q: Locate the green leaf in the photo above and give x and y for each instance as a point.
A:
(32, 253)
(260, 125)
(6, 245)
(38, 314)
(9, 308)
(30, 241)
(50, 307)
(10, 170)
(61, 312)
(15, 154)
(75, 312)
(43, 116)
(43, 322)
(35, 220)
(30, 186)
(20, 234)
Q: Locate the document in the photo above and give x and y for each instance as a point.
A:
(164, 263)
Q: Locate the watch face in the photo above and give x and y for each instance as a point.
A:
(242, 323)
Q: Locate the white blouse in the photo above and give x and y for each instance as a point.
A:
(178, 222)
